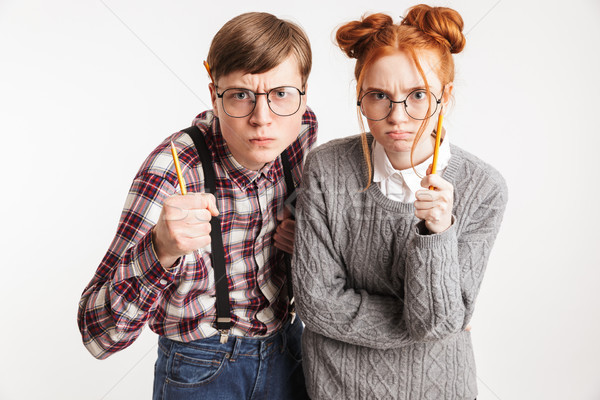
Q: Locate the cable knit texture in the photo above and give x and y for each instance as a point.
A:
(385, 303)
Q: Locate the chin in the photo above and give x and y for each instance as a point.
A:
(266, 156)
(400, 147)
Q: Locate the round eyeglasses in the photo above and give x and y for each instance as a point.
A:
(377, 105)
(239, 103)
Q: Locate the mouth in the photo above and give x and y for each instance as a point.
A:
(262, 141)
(400, 135)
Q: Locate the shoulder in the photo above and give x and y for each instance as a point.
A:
(336, 152)
(474, 171)
(160, 161)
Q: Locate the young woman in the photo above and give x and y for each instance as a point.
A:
(386, 270)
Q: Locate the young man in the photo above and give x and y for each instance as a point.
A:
(159, 267)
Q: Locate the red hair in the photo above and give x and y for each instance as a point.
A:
(434, 29)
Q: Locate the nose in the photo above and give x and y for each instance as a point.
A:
(398, 113)
(262, 113)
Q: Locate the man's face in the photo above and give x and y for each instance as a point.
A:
(260, 137)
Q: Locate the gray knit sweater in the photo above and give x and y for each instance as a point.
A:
(384, 303)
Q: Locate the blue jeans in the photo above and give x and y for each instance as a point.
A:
(243, 368)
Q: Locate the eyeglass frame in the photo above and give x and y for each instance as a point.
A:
(392, 102)
(220, 96)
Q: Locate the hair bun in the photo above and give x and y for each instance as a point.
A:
(443, 24)
(355, 37)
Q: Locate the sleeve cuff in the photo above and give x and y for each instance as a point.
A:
(145, 266)
(425, 239)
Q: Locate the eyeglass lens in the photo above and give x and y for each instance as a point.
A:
(282, 101)
(376, 105)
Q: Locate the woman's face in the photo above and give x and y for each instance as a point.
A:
(395, 76)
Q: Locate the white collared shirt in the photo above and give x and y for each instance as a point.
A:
(401, 185)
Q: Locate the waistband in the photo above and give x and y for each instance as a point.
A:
(238, 346)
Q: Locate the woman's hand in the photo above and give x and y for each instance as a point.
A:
(435, 206)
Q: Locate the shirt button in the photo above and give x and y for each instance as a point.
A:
(163, 282)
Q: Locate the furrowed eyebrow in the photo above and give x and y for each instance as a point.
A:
(409, 90)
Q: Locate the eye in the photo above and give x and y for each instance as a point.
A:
(376, 96)
(239, 95)
(419, 95)
(281, 93)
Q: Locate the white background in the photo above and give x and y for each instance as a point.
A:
(89, 88)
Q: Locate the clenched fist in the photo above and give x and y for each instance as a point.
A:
(435, 206)
(183, 226)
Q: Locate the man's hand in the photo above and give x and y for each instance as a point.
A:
(183, 226)
(284, 234)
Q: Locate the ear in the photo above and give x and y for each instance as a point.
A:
(213, 98)
(448, 89)
(304, 99)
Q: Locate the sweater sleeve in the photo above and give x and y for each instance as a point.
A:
(124, 291)
(444, 271)
(325, 303)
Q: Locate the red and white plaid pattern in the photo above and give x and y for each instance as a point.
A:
(130, 287)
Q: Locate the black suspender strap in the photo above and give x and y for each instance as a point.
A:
(291, 203)
(289, 182)
(217, 248)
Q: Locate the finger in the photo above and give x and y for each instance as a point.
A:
(468, 328)
(426, 195)
(212, 204)
(195, 201)
(436, 181)
(433, 216)
(171, 212)
(288, 225)
(285, 214)
(286, 242)
(288, 234)
(192, 231)
(424, 205)
(429, 169)
(198, 216)
(205, 201)
(287, 249)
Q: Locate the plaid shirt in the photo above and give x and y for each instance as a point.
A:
(130, 287)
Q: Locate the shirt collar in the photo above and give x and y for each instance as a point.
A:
(239, 174)
(383, 169)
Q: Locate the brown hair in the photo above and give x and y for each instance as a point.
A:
(425, 28)
(258, 42)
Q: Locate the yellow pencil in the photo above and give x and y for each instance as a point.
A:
(178, 169)
(208, 70)
(438, 140)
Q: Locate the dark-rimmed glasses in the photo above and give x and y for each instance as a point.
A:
(376, 105)
(239, 102)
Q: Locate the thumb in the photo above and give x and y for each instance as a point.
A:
(285, 214)
(212, 204)
(429, 169)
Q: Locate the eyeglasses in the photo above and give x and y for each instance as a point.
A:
(283, 101)
(377, 105)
